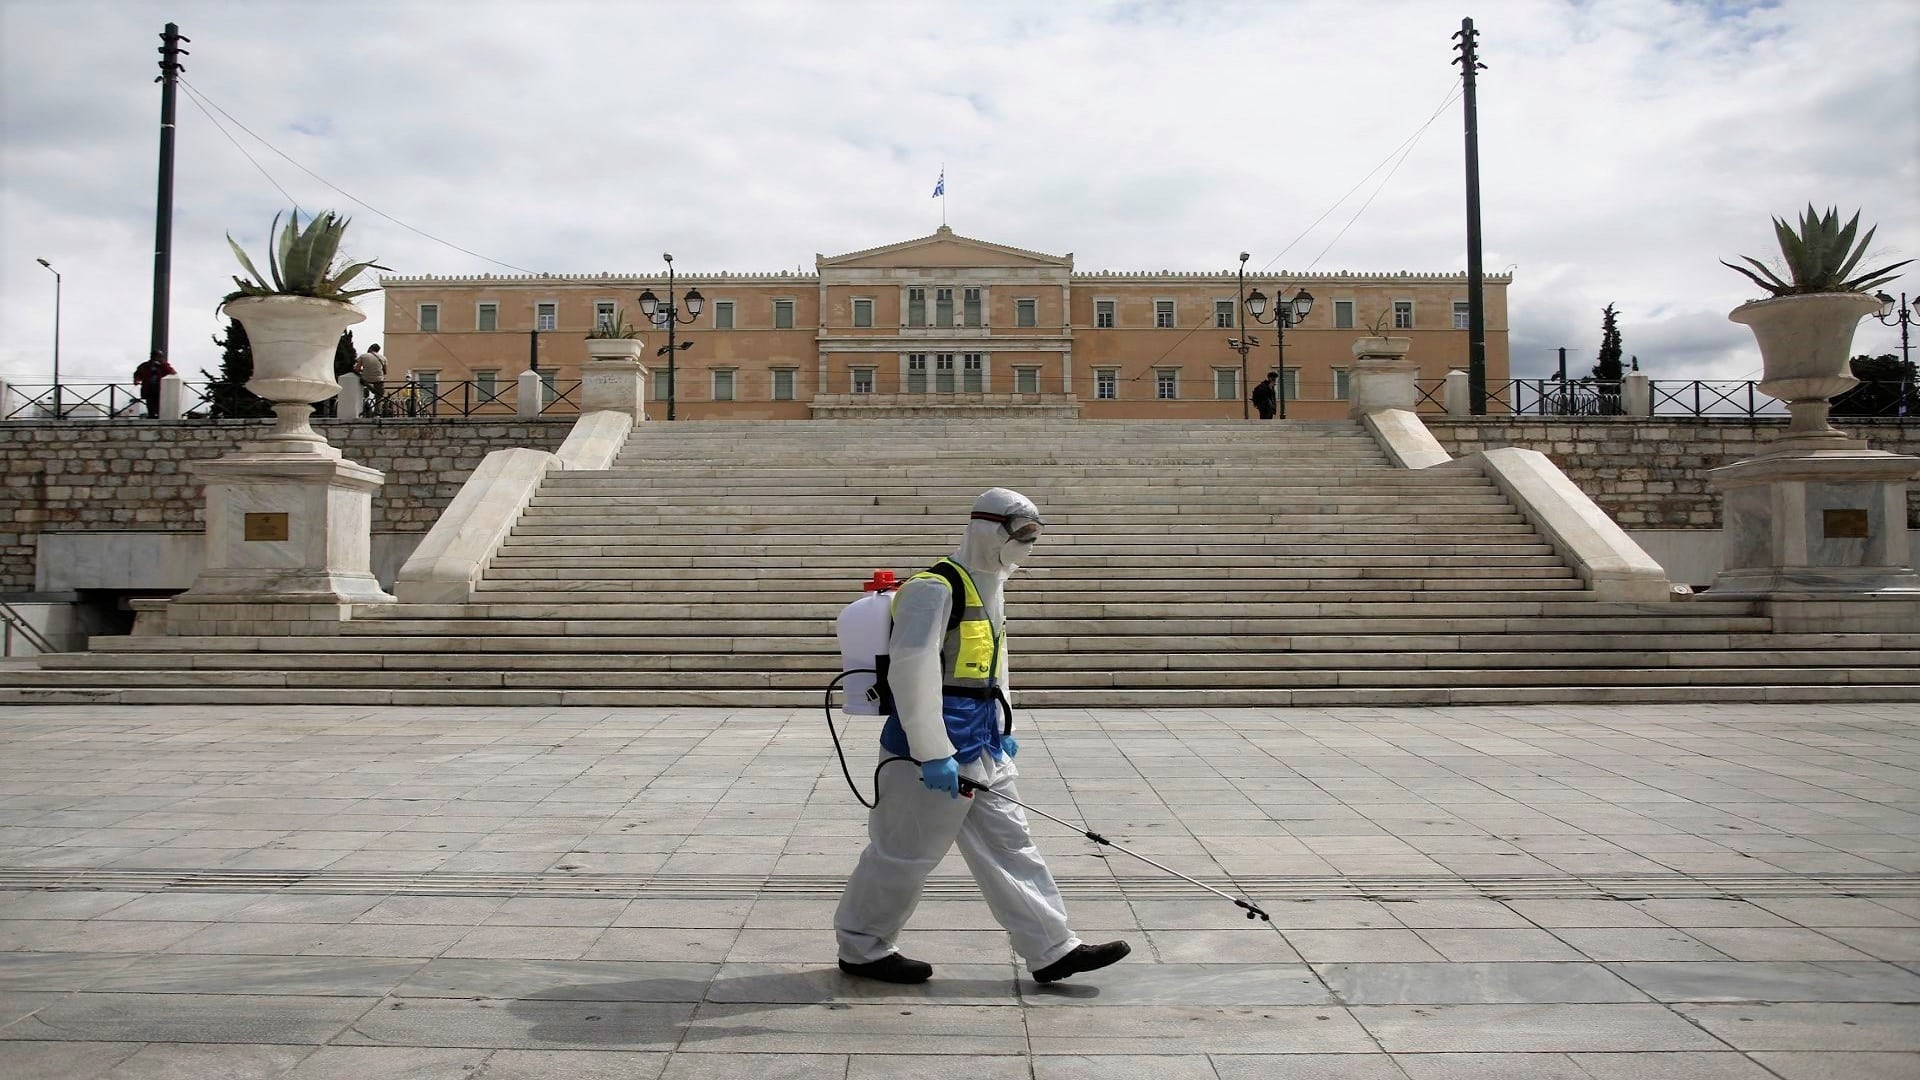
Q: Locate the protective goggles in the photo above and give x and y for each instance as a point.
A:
(1024, 529)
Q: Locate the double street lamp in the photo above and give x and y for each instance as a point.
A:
(1903, 318)
(1285, 313)
(669, 315)
(56, 336)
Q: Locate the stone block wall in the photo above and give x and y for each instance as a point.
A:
(131, 476)
(1652, 474)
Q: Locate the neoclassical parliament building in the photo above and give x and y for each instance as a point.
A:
(943, 320)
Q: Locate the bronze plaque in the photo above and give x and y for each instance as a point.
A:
(1845, 524)
(274, 526)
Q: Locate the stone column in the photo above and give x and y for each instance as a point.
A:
(352, 398)
(613, 378)
(1636, 395)
(171, 397)
(1382, 376)
(529, 395)
(1458, 394)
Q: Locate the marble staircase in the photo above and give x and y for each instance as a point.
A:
(1185, 565)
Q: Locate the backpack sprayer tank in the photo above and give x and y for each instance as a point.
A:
(864, 627)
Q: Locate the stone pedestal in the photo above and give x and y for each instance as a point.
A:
(1382, 377)
(613, 379)
(286, 545)
(1816, 524)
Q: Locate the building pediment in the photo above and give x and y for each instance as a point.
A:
(943, 248)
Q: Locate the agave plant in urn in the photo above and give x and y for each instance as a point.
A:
(1805, 329)
(294, 316)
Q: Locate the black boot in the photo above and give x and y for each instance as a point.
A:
(1083, 958)
(895, 968)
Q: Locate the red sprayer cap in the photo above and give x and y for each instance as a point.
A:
(882, 582)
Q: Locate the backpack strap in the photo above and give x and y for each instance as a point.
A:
(952, 575)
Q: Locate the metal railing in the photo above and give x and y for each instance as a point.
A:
(71, 401)
(1677, 398)
(11, 623)
(204, 400)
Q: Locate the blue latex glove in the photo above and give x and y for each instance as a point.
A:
(942, 775)
(1010, 745)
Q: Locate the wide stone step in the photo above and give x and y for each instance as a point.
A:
(1202, 617)
(719, 517)
(1031, 683)
(1303, 503)
(1226, 628)
(833, 599)
(824, 665)
(1384, 643)
(1293, 562)
(838, 565)
(1083, 489)
(762, 697)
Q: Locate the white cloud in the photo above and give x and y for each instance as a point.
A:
(1626, 146)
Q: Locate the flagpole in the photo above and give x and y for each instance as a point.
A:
(943, 193)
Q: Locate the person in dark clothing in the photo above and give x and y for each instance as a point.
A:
(147, 378)
(1265, 398)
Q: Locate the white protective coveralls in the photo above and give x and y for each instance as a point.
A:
(911, 827)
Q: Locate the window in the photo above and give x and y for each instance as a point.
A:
(1226, 384)
(970, 313)
(723, 384)
(429, 317)
(546, 316)
(863, 380)
(427, 386)
(603, 314)
(1290, 383)
(916, 307)
(1163, 313)
(1166, 384)
(783, 384)
(1223, 314)
(486, 385)
(783, 314)
(1403, 314)
(973, 373)
(943, 373)
(487, 317)
(1026, 380)
(1462, 315)
(917, 373)
(662, 384)
(1341, 383)
(863, 313)
(547, 391)
(723, 314)
(1103, 314)
(1343, 314)
(943, 307)
(1106, 384)
(1026, 312)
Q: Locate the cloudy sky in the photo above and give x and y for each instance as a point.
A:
(1626, 145)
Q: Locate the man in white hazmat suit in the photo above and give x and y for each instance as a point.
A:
(946, 677)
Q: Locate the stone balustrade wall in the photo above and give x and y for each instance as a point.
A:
(1652, 474)
(131, 475)
(122, 476)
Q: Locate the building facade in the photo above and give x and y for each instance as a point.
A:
(941, 321)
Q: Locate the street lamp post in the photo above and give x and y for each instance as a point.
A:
(1903, 318)
(669, 316)
(56, 336)
(1285, 313)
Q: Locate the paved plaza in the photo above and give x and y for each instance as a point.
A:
(1676, 892)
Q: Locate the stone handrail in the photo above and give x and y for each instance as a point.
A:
(450, 561)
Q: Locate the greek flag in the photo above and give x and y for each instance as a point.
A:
(940, 185)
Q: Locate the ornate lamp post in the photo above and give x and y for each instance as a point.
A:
(56, 335)
(669, 315)
(1903, 318)
(1285, 313)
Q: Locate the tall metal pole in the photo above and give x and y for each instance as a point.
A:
(56, 335)
(1469, 62)
(1240, 318)
(533, 347)
(1282, 312)
(673, 316)
(170, 68)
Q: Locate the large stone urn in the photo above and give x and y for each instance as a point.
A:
(288, 521)
(1805, 342)
(293, 340)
